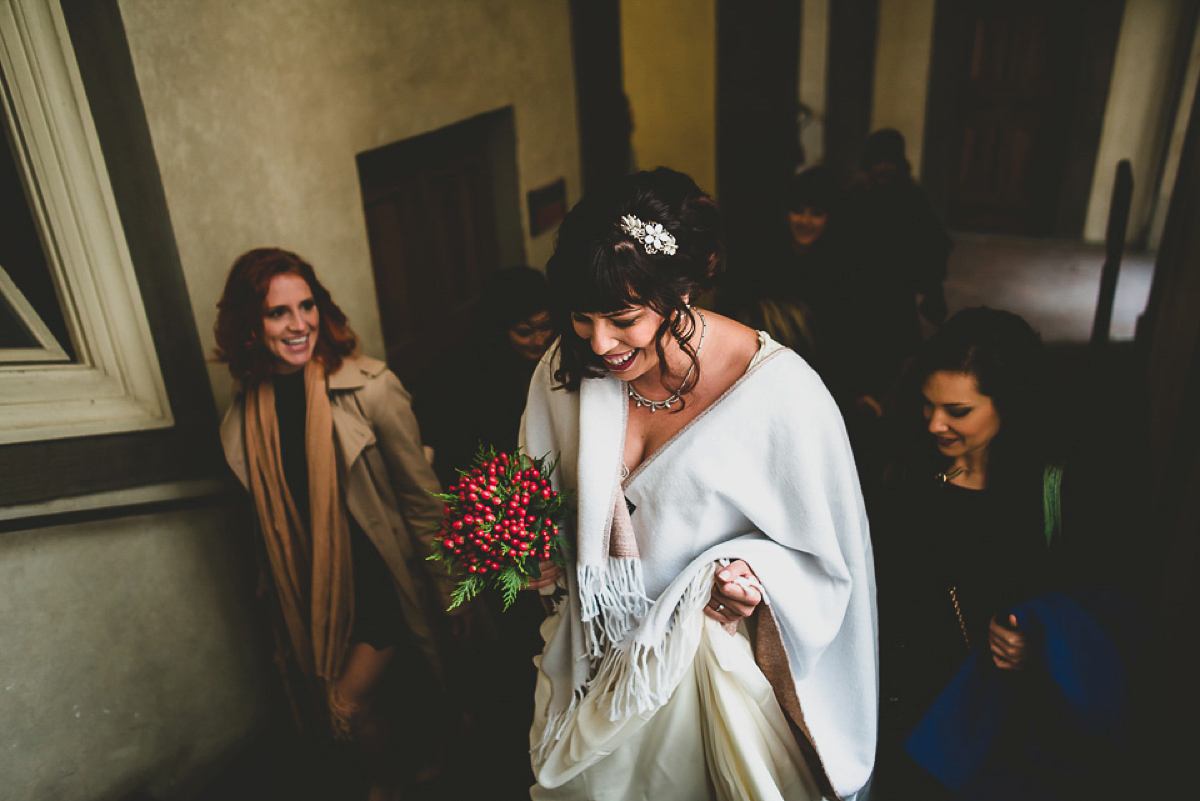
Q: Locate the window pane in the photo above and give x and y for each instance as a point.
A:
(13, 332)
(24, 262)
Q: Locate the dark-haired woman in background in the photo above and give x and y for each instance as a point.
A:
(326, 444)
(476, 396)
(717, 635)
(970, 539)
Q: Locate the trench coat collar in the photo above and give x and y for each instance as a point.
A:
(354, 372)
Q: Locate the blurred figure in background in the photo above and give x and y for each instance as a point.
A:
(785, 286)
(896, 251)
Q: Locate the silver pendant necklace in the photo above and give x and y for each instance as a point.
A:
(640, 400)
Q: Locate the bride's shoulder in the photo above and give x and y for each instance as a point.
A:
(738, 342)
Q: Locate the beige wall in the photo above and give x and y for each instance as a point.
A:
(257, 110)
(1175, 145)
(904, 46)
(1136, 99)
(669, 51)
(129, 661)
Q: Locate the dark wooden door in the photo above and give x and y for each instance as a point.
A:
(1017, 93)
(431, 219)
(1006, 113)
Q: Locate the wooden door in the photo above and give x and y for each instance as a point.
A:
(431, 219)
(1005, 110)
(1016, 101)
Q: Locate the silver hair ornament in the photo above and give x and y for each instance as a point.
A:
(652, 236)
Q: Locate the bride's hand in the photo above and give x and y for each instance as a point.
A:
(550, 574)
(736, 593)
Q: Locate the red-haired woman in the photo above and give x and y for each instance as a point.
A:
(326, 443)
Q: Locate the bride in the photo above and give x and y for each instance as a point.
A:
(717, 634)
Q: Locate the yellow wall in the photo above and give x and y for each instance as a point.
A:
(669, 50)
(1136, 99)
(257, 111)
(902, 58)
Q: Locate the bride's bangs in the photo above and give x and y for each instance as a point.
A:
(611, 279)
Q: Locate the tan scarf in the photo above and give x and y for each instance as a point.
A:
(312, 568)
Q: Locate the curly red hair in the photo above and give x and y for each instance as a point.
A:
(239, 323)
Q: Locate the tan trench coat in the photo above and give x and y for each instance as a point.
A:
(385, 479)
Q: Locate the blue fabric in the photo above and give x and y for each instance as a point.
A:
(1000, 734)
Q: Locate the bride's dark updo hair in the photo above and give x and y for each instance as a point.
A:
(598, 268)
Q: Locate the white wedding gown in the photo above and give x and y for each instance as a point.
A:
(722, 736)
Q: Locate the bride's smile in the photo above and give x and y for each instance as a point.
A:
(625, 340)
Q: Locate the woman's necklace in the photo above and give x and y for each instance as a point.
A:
(640, 400)
(947, 476)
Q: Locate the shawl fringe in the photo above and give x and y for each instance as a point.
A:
(638, 674)
(612, 601)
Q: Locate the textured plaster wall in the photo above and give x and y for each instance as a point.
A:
(257, 110)
(128, 661)
(1135, 103)
(669, 52)
(902, 57)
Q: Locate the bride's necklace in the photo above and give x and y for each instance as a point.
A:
(640, 400)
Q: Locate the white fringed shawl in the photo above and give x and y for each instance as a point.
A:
(765, 474)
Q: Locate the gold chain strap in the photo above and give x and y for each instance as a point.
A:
(962, 624)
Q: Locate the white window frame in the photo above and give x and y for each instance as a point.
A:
(115, 383)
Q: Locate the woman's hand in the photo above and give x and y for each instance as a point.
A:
(1007, 643)
(550, 574)
(736, 593)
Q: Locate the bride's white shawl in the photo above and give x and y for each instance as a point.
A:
(765, 474)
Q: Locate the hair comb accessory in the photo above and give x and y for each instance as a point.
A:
(652, 236)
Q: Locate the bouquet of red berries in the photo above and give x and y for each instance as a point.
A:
(501, 518)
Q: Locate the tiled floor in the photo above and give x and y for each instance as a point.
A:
(1051, 283)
